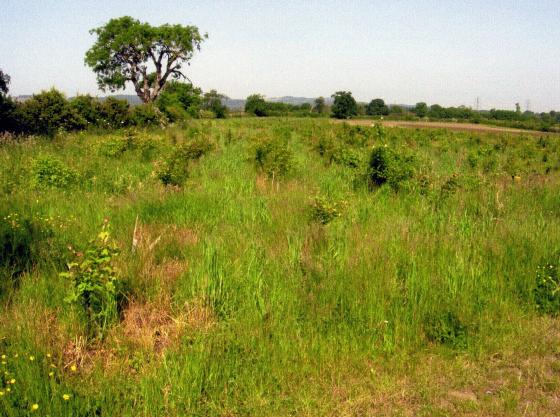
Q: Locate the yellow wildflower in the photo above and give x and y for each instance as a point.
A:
(66, 397)
(1, 393)
(35, 407)
(8, 389)
(73, 368)
(32, 358)
(51, 374)
(3, 356)
(12, 381)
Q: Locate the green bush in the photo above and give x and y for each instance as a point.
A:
(387, 166)
(114, 113)
(347, 156)
(96, 286)
(174, 169)
(148, 115)
(446, 328)
(51, 172)
(325, 211)
(88, 108)
(20, 241)
(114, 147)
(47, 113)
(274, 157)
(547, 286)
(180, 101)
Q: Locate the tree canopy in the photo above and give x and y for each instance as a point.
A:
(128, 50)
(377, 107)
(256, 105)
(4, 82)
(344, 105)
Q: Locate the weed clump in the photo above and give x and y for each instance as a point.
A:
(20, 241)
(446, 328)
(547, 288)
(274, 158)
(174, 170)
(96, 285)
(49, 172)
(387, 166)
(325, 211)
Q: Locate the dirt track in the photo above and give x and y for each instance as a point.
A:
(468, 127)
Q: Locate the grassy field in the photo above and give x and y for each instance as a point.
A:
(275, 267)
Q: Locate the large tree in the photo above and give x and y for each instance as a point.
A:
(377, 107)
(127, 50)
(344, 105)
(4, 82)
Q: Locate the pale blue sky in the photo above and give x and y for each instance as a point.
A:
(447, 52)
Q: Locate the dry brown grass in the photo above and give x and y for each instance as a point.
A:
(467, 127)
(155, 327)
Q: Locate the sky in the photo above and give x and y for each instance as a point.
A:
(447, 52)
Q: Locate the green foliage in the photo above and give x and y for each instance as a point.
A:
(174, 170)
(96, 285)
(48, 171)
(125, 47)
(421, 109)
(115, 146)
(88, 108)
(20, 241)
(8, 115)
(114, 113)
(4, 82)
(274, 157)
(256, 105)
(47, 113)
(147, 115)
(180, 101)
(324, 210)
(387, 166)
(446, 327)
(344, 106)
(377, 107)
(320, 106)
(213, 102)
(547, 288)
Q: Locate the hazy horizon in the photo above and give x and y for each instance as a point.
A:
(446, 53)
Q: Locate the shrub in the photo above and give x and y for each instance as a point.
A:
(147, 115)
(256, 105)
(274, 157)
(96, 286)
(47, 113)
(114, 147)
(347, 156)
(325, 211)
(8, 115)
(88, 108)
(174, 169)
(114, 113)
(547, 286)
(20, 241)
(51, 172)
(387, 166)
(446, 328)
(179, 101)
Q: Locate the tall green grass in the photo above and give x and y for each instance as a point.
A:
(296, 306)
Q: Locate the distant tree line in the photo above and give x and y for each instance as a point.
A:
(345, 107)
(50, 111)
